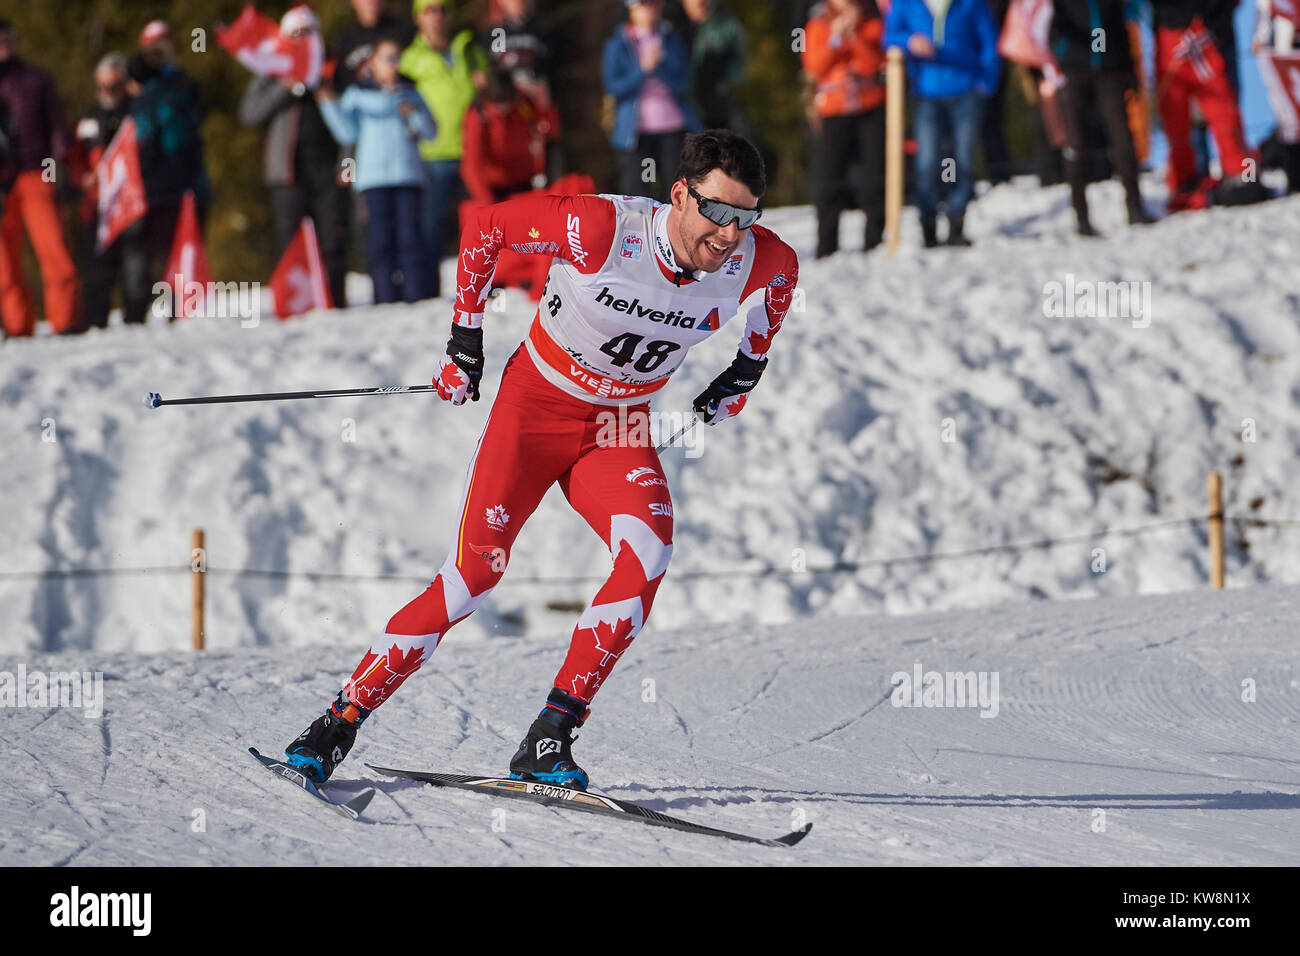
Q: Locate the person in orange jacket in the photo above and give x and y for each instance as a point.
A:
(843, 55)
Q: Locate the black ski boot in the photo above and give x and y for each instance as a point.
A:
(322, 746)
(545, 754)
(930, 231)
(957, 230)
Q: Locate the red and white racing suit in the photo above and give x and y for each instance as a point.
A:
(616, 319)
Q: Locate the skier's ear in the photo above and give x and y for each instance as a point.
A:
(679, 195)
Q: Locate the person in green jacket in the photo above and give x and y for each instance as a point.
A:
(448, 69)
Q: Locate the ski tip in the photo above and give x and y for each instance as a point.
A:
(790, 839)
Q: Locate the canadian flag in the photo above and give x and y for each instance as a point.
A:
(120, 187)
(254, 40)
(187, 267)
(298, 283)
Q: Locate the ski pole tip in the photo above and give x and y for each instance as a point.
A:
(153, 400)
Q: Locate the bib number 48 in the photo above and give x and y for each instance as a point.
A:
(623, 347)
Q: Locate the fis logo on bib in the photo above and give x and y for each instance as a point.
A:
(631, 247)
(733, 264)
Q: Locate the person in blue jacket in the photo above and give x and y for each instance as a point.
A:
(647, 70)
(953, 66)
(385, 118)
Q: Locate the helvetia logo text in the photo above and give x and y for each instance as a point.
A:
(676, 317)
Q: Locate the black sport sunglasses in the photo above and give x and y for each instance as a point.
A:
(722, 213)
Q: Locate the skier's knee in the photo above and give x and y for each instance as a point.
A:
(651, 541)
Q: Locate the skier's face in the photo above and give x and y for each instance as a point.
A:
(705, 245)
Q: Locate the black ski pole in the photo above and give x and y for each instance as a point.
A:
(680, 432)
(153, 399)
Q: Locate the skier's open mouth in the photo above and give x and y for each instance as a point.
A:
(716, 250)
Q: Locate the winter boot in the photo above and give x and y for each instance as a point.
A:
(545, 754)
(957, 230)
(930, 230)
(1138, 215)
(322, 746)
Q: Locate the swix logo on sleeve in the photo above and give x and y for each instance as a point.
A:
(576, 252)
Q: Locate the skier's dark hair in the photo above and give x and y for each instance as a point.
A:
(722, 149)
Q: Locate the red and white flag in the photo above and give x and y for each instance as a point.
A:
(254, 39)
(120, 187)
(1024, 34)
(188, 272)
(299, 283)
(1281, 76)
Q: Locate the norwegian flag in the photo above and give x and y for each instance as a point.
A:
(187, 266)
(120, 186)
(254, 39)
(298, 284)
(1191, 47)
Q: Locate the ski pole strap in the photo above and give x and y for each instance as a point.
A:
(154, 399)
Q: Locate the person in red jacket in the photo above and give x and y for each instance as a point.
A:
(504, 142)
(1196, 59)
(843, 54)
(634, 284)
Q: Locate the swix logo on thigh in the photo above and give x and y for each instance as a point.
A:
(661, 508)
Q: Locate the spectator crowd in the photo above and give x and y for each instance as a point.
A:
(418, 118)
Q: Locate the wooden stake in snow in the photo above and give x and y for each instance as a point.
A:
(1216, 530)
(895, 84)
(198, 569)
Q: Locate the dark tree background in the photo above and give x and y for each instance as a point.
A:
(68, 37)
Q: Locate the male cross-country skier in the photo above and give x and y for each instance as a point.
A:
(632, 286)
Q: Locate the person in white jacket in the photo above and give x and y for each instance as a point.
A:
(385, 118)
(1275, 38)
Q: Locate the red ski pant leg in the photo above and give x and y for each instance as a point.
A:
(1218, 103)
(15, 297)
(530, 440)
(1174, 100)
(620, 489)
(32, 206)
